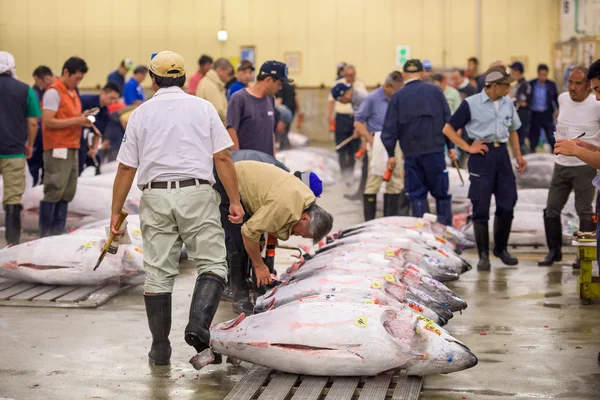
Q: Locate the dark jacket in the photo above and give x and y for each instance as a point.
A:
(551, 98)
(13, 115)
(416, 117)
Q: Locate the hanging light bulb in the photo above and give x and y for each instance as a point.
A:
(222, 34)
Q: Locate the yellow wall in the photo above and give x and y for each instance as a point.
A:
(363, 32)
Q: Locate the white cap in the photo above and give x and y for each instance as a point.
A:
(7, 62)
(430, 217)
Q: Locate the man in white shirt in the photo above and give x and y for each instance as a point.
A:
(579, 113)
(172, 140)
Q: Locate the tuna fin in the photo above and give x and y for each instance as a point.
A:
(271, 293)
(234, 322)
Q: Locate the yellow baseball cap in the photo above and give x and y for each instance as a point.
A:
(167, 64)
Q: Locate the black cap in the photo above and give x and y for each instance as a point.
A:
(413, 66)
(276, 70)
(518, 66)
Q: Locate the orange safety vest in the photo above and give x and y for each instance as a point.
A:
(70, 106)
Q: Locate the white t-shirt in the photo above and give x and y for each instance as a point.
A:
(579, 117)
(173, 137)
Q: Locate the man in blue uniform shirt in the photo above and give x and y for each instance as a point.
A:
(89, 141)
(416, 116)
(491, 121)
(133, 92)
(118, 75)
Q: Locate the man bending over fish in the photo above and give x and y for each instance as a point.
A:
(276, 202)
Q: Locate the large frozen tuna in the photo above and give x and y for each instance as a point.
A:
(342, 339)
(538, 174)
(425, 224)
(70, 260)
(347, 289)
(322, 162)
(98, 229)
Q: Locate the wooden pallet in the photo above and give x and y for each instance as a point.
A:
(261, 383)
(26, 294)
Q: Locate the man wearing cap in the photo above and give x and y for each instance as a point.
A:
(244, 75)
(368, 122)
(491, 121)
(251, 111)
(171, 141)
(62, 120)
(522, 95)
(415, 117)
(427, 71)
(212, 86)
(341, 115)
(276, 203)
(19, 112)
(118, 76)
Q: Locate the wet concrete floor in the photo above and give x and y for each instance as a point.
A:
(533, 338)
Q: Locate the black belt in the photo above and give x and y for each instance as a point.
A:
(489, 144)
(182, 184)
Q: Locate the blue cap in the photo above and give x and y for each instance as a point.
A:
(276, 70)
(427, 65)
(339, 89)
(313, 181)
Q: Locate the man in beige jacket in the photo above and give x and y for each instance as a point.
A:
(212, 87)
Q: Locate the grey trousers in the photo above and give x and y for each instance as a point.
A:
(565, 179)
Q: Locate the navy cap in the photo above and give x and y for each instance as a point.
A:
(313, 181)
(276, 70)
(413, 66)
(339, 89)
(427, 65)
(518, 66)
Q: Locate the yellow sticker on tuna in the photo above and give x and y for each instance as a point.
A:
(369, 301)
(420, 223)
(361, 322)
(422, 318)
(136, 232)
(433, 329)
(389, 277)
(390, 253)
(375, 285)
(88, 245)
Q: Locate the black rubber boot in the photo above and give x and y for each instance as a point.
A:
(404, 205)
(391, 205)
(553, 228)
(59, 220)
(239, 283)
(13, 223)
(46, 218)
(482, 238)
(369, 206)
(158, 310)
(228, 292)
(502, 225)
(205, 301)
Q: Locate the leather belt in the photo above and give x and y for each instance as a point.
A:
(498, 144)
(182, 184)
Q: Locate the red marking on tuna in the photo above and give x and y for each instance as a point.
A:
(298, 325)
(271, 293)
(235, 322)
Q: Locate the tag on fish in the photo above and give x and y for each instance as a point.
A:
(389, 277)
(125, 239)
(361, 322)
(202, 359)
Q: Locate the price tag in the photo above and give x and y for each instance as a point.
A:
(369, 301)
(390, 253)
(330, 297)
(136, 232)
(375, 285)
(361, 322)
(389, 278)
(422, 318)
(420, 223)
(562, 132)
(415, 306)
(88, 245)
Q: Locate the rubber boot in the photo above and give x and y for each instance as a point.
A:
(443, 208)
(502, 225)
(158, 310)
(369, 206)
(60, 217)
(239, 283)
(13, 223)
(391, 204)
(419, 207)
(482, 238)
(403, 205)
(205, 301)
(553, 228)
(228, 292)
(46, 218)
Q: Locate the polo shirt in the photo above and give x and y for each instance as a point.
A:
(372, 110)
(116, 78)
(173, 136)
(133, 92)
